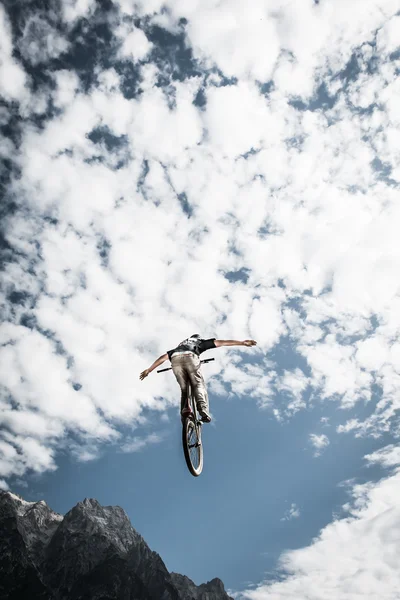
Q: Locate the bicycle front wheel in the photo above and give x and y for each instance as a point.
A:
(192, 446)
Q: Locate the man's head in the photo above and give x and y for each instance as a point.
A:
(195, 336)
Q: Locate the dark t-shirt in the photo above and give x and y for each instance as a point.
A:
(195, 345)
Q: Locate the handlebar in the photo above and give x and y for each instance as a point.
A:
(206, 360)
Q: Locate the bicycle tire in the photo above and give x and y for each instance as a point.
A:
(193, 454)
(191, 441)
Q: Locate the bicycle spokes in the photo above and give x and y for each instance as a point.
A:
(192, 446)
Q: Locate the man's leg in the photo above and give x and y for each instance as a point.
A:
(197, 382)
(180, 372)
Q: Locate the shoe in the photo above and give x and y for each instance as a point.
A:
(205, 417)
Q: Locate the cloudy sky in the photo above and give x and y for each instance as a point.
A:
(233, 169)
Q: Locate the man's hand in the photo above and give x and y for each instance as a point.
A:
(155, 364)
(249, 343)
(144, 374)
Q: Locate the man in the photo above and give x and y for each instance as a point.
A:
(185, 363)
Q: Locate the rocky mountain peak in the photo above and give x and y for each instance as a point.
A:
(212, 590)
(110, 525)
(35, 522)
(92, 553)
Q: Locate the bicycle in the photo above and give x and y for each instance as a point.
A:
(191, 430)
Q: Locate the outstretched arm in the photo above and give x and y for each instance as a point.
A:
(219, 343)
(155, 364)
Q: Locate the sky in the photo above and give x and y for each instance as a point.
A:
(230, 169)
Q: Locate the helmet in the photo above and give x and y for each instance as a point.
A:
(195, 335)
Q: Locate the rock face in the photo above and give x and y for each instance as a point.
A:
(213, 590)
(92, 553)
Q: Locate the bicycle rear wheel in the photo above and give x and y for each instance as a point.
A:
(191, 440)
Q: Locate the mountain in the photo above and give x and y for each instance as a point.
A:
(92, 553)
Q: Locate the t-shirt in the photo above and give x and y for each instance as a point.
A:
(195, 345)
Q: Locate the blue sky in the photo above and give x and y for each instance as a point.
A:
(182, 166)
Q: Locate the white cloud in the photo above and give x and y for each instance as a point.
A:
(232, 36)
(388, 36)
(293, 384)
(389, 456)
(336, 372)
(85, 453)
(19, 454)
(292, 513)
(136, 444)
(319, 442)
(41, 41)
(13, 78)
(255, 42)
(333, 566)
(67, 86)
(135, 44)
(74, 10)
(237, 119)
